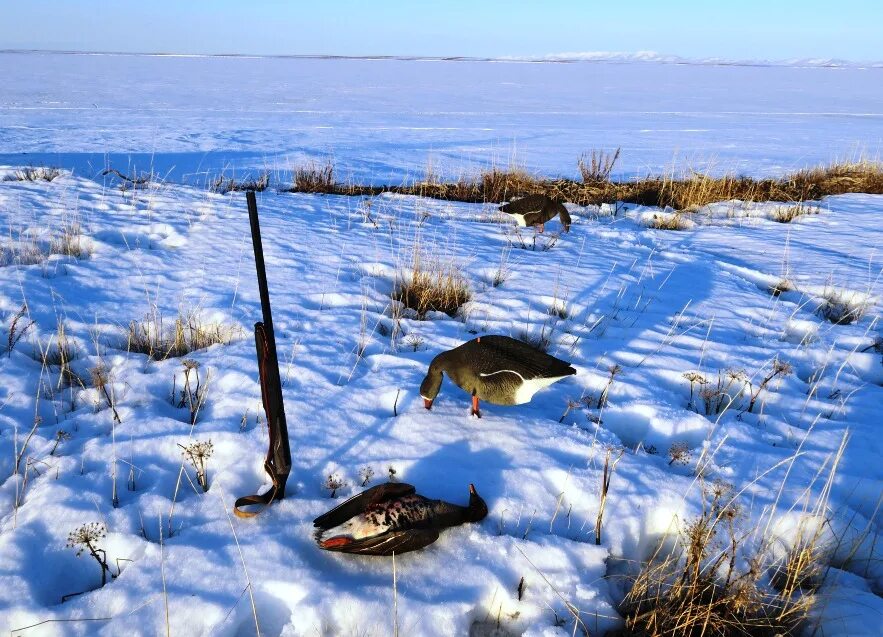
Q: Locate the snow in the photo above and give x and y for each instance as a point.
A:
(188, 118)
(657, 303)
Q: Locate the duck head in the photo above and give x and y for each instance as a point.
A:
(477, 509)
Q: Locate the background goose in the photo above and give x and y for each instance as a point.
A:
(536, 210)
(498, 369)
(392, 517)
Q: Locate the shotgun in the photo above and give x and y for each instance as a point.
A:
(278, 461)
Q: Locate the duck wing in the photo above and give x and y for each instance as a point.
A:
(397, 542)
(496, 354)
(360, 503)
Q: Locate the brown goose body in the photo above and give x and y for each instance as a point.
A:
(392, 518)
(536, 210)
(498, 369)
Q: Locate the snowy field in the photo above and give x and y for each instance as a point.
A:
(659, 304)
(382, 121)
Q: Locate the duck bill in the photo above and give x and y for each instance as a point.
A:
(427, 403)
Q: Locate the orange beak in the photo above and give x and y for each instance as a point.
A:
(427, 403)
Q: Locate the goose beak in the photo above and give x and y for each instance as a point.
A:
(427, 403)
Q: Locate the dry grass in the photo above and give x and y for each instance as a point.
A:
(23, 249)
(35, 173)
(314, 178)
(687, 192)
(717, 585)
(501, 185)
(222, 185)
(432, 286)
(668, 222)
(596, 166)
(787, 214)
(842, 307)
(160, 341)
(71, 242)
(781, 286)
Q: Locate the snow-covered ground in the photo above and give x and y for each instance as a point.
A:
(611, 292)
(385, 120)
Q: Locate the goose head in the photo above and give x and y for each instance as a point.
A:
(477, 509)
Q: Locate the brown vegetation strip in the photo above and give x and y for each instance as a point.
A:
(496, 185)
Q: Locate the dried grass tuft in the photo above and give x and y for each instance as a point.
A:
(160, 341)
(596, 166)
(718, 585)
(35, 173)
(314, 178)
(222, 185)
(432, 287)
(787, 214)
(842, 307)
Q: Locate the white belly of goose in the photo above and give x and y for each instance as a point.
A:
(358, 528)
(519, 219)
(528, 387)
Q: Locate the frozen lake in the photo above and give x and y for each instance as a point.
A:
(382, 120)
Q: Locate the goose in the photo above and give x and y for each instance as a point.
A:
(392, 518)
(536, 210)
(498, 369)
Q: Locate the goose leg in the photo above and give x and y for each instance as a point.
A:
(475, 410)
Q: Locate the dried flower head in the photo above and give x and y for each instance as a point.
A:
(86, 536)
(99, 376)
(695, 377)
(679, 453)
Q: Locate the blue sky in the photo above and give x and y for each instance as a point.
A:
(749, 29)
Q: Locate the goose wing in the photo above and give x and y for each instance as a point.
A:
(530, 203)
(397, 542)
(359, 503)
(495, 354)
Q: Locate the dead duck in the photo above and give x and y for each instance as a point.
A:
(536, 210)
(392, 518)
(498, 369)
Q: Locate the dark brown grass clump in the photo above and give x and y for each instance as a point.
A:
(314, 178)
(433, 287)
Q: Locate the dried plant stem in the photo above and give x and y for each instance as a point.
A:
(395, 599)
(605, 487)
(162, 573)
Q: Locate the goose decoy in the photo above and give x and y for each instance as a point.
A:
(498, 369)
(536, 210)
(392, 518)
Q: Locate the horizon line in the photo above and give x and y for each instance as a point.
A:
(648, 57)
